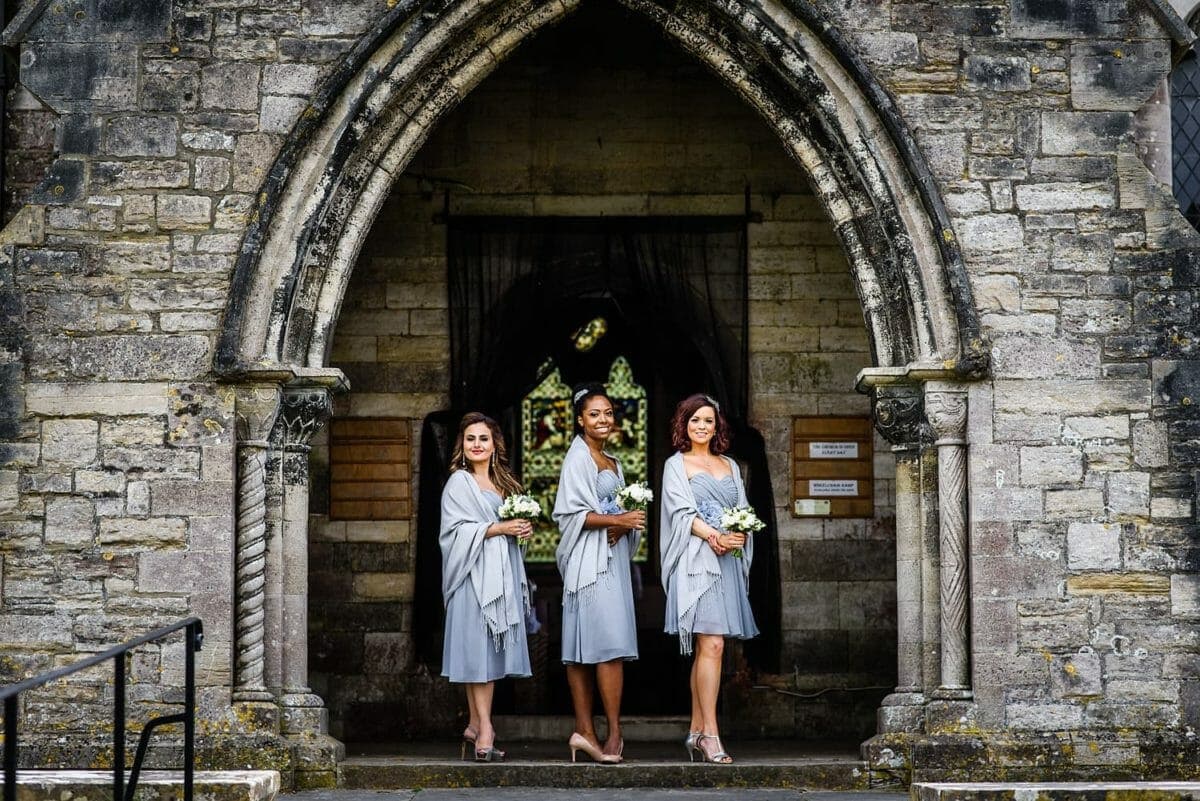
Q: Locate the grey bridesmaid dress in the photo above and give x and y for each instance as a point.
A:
(468, 654)
(725, 608)
(605, 628)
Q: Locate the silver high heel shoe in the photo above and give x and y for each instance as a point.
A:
(719, 756)
(690, 744)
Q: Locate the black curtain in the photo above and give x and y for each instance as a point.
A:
(519, 287)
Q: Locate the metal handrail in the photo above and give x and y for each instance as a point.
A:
(193, 641)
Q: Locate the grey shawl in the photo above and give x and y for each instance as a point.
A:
(688, 561)
(489, 563)
(582, 553)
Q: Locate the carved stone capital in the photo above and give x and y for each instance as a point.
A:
(256, 406)
(301, 414)
(900, 416)
(946, 410)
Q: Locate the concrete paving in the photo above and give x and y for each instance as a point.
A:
(616, 794)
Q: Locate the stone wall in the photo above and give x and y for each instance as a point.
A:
(116, 479)
(576, 127)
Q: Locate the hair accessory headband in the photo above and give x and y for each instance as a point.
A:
(580, 395)
(713, 402)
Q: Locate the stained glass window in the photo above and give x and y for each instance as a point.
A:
(546, 431)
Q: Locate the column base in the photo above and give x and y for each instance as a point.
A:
(901, 712)
(256, 717)
(304, 713)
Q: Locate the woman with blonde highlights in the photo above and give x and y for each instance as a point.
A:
(483, 577)
(705, 569)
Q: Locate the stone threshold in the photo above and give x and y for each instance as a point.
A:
(1056, 791)
(776, 763)
(153, 785)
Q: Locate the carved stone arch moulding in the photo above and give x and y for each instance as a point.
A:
(785, 60)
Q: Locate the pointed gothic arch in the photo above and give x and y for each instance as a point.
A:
(841, 126)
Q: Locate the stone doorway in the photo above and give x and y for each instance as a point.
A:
(891, 269)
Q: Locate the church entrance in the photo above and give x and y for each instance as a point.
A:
(656, 309)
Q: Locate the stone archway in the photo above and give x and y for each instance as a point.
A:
(841, 127)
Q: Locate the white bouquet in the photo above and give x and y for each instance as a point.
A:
(635, 497)
(524, 507)
(741, 520)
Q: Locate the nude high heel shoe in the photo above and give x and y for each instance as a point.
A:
(580, 743)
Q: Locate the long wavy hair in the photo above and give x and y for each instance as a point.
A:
(679, 423)
(498, 469)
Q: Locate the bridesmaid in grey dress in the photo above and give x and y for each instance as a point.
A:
(598, 541)
(707, 583)
(483, 578)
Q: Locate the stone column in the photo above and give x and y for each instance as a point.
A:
(304, 410)
(899, 419)
(257, 407)
(946, 409)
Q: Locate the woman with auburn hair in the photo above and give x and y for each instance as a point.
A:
(599, 628)
(483, 577)
(705, 570)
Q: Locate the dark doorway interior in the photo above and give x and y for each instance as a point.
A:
(673, 291)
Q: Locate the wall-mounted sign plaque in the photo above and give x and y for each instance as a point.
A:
(832, 467)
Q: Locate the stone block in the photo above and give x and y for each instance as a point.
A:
(212, 173)
(1052, 464)
(1065, 196)
(988, 233)
(1045, 357)
(1171, 507)
(52, 71)
(70, 522)
(1076, 676)
(1083, 253)
(35, 631)
(1067, 133)
(251, 160)
(387, 652)
(1070, 504)
(138, 533)
(230, 86)
(384, 586)
(998, 73)
(1094, 546)
(69, 443)
(1072, 397)
(1043, 716)
(121, 257)
(99, 482)
(183, 571)
(1116, 75)
(997, 293)
(1150, 444)
(170, 85)
(117, 176)
(142, 136)
(1129, 493)
(191, 498)
(279, 113)
(184, 211)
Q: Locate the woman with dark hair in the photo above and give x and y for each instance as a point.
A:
(598, 541)
(707, 584)
(483, 577)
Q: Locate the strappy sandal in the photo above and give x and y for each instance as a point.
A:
(719, 757)
(469, 736)
(689, 744)
(489, 754)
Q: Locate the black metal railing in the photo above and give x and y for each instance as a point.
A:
(122, 791)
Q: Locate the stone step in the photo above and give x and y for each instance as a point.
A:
(647, 764)
(153, 785)
(548, 728)
(1056, 791)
